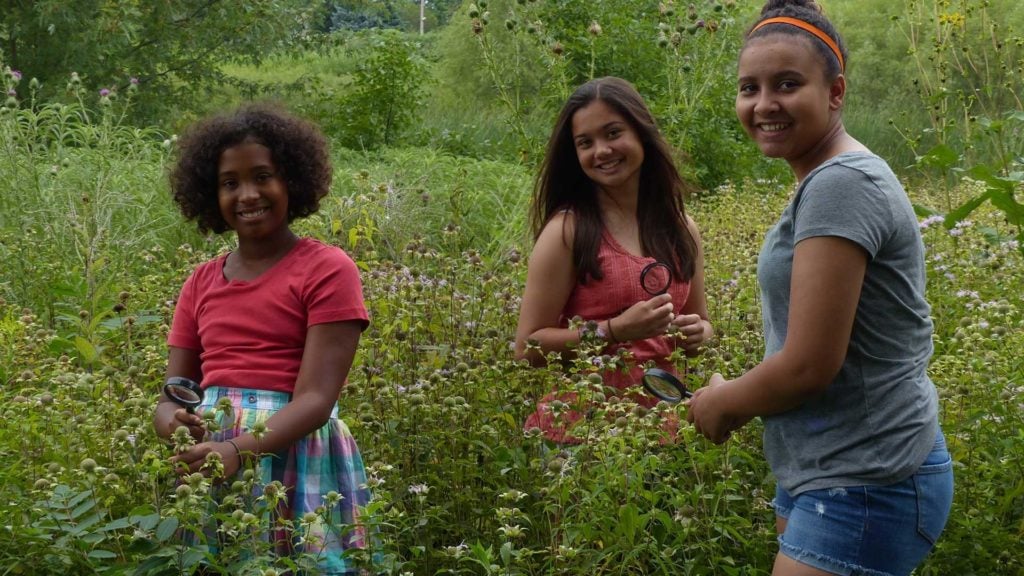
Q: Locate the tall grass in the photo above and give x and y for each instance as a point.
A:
(435, 399)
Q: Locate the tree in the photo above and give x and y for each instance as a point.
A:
(173, 49)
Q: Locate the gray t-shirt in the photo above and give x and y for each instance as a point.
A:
(877, 421)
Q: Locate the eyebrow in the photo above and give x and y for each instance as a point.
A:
(614, 123)
(269, 167)
(777, 75)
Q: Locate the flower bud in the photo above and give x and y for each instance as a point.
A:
(595, 29)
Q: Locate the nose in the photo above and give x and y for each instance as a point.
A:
(601, 148)
(766, 103)
(248, 190)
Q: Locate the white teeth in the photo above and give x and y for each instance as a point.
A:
(775, 127)
(608, 165)
(252, 213)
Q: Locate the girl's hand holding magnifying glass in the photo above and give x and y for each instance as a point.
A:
(191, 420)
(706, 411)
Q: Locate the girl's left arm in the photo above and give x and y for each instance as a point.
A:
(692, 322)
(825, 288)
(326, 359)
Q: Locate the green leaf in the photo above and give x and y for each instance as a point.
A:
(166, 528)
(941, 157)
(83, 508)
(101, 555)
(506, 553)
(117, 524)
(629, 521)
(146, 523)
(191, 557)
(985, 174)
(85, 349)
(1012, 209)
(965, 209)
(923, 211)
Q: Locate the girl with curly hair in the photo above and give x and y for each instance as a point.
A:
(270, 327)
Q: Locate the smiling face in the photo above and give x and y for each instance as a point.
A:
(608, 147)
(251, 192)
(786, 103)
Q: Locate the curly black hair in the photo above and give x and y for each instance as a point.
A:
(298, 148)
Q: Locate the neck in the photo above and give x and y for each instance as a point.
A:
(835, 142)
(621, 200)
(271, 248)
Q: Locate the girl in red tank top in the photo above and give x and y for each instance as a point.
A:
(608, 203)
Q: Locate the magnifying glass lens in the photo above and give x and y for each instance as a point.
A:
(184, 392)
(664, 385)
(656, 278)
(181, 394)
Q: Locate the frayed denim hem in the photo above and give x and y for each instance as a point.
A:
(822, 562)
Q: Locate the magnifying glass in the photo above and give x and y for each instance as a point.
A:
(655, 278)
(664, 385)
(184, 392)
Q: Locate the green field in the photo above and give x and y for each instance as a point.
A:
(431, 201)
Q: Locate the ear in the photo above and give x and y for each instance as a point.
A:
(837, 92)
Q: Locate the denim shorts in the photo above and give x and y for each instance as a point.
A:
(869, 530)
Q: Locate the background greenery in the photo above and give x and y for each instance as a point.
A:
(436, 139)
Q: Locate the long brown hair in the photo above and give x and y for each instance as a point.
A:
(562, 185)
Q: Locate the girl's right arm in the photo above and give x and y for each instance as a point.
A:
(169, 415)
(550, 278)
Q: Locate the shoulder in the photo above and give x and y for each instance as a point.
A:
(862, 169)
(560, 228)
(691, 226)
(313, 252)
(207, 271)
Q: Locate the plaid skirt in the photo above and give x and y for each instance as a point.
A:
(326, 460)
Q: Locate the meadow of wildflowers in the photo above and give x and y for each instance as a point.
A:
(93, 256)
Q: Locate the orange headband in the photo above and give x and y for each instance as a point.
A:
(808, 28)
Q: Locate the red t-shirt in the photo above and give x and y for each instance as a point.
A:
(252, 334)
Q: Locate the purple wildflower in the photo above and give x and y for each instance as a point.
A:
(104, 92)
(16, 74)
(133, 81)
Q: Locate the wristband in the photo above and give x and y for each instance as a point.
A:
(611, 333)
(237, 451)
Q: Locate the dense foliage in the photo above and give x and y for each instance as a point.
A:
(436, 138)
(173, 49)
(94, 254)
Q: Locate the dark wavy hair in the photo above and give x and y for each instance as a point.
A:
(561, 184)
(809, 11)
(298, 148)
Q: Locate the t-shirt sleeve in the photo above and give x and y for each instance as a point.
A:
(334, 291)
(184, 328)
(844, 202)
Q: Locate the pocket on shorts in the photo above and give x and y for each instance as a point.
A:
(933, 483)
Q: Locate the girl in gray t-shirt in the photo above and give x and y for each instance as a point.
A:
(851, 425)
